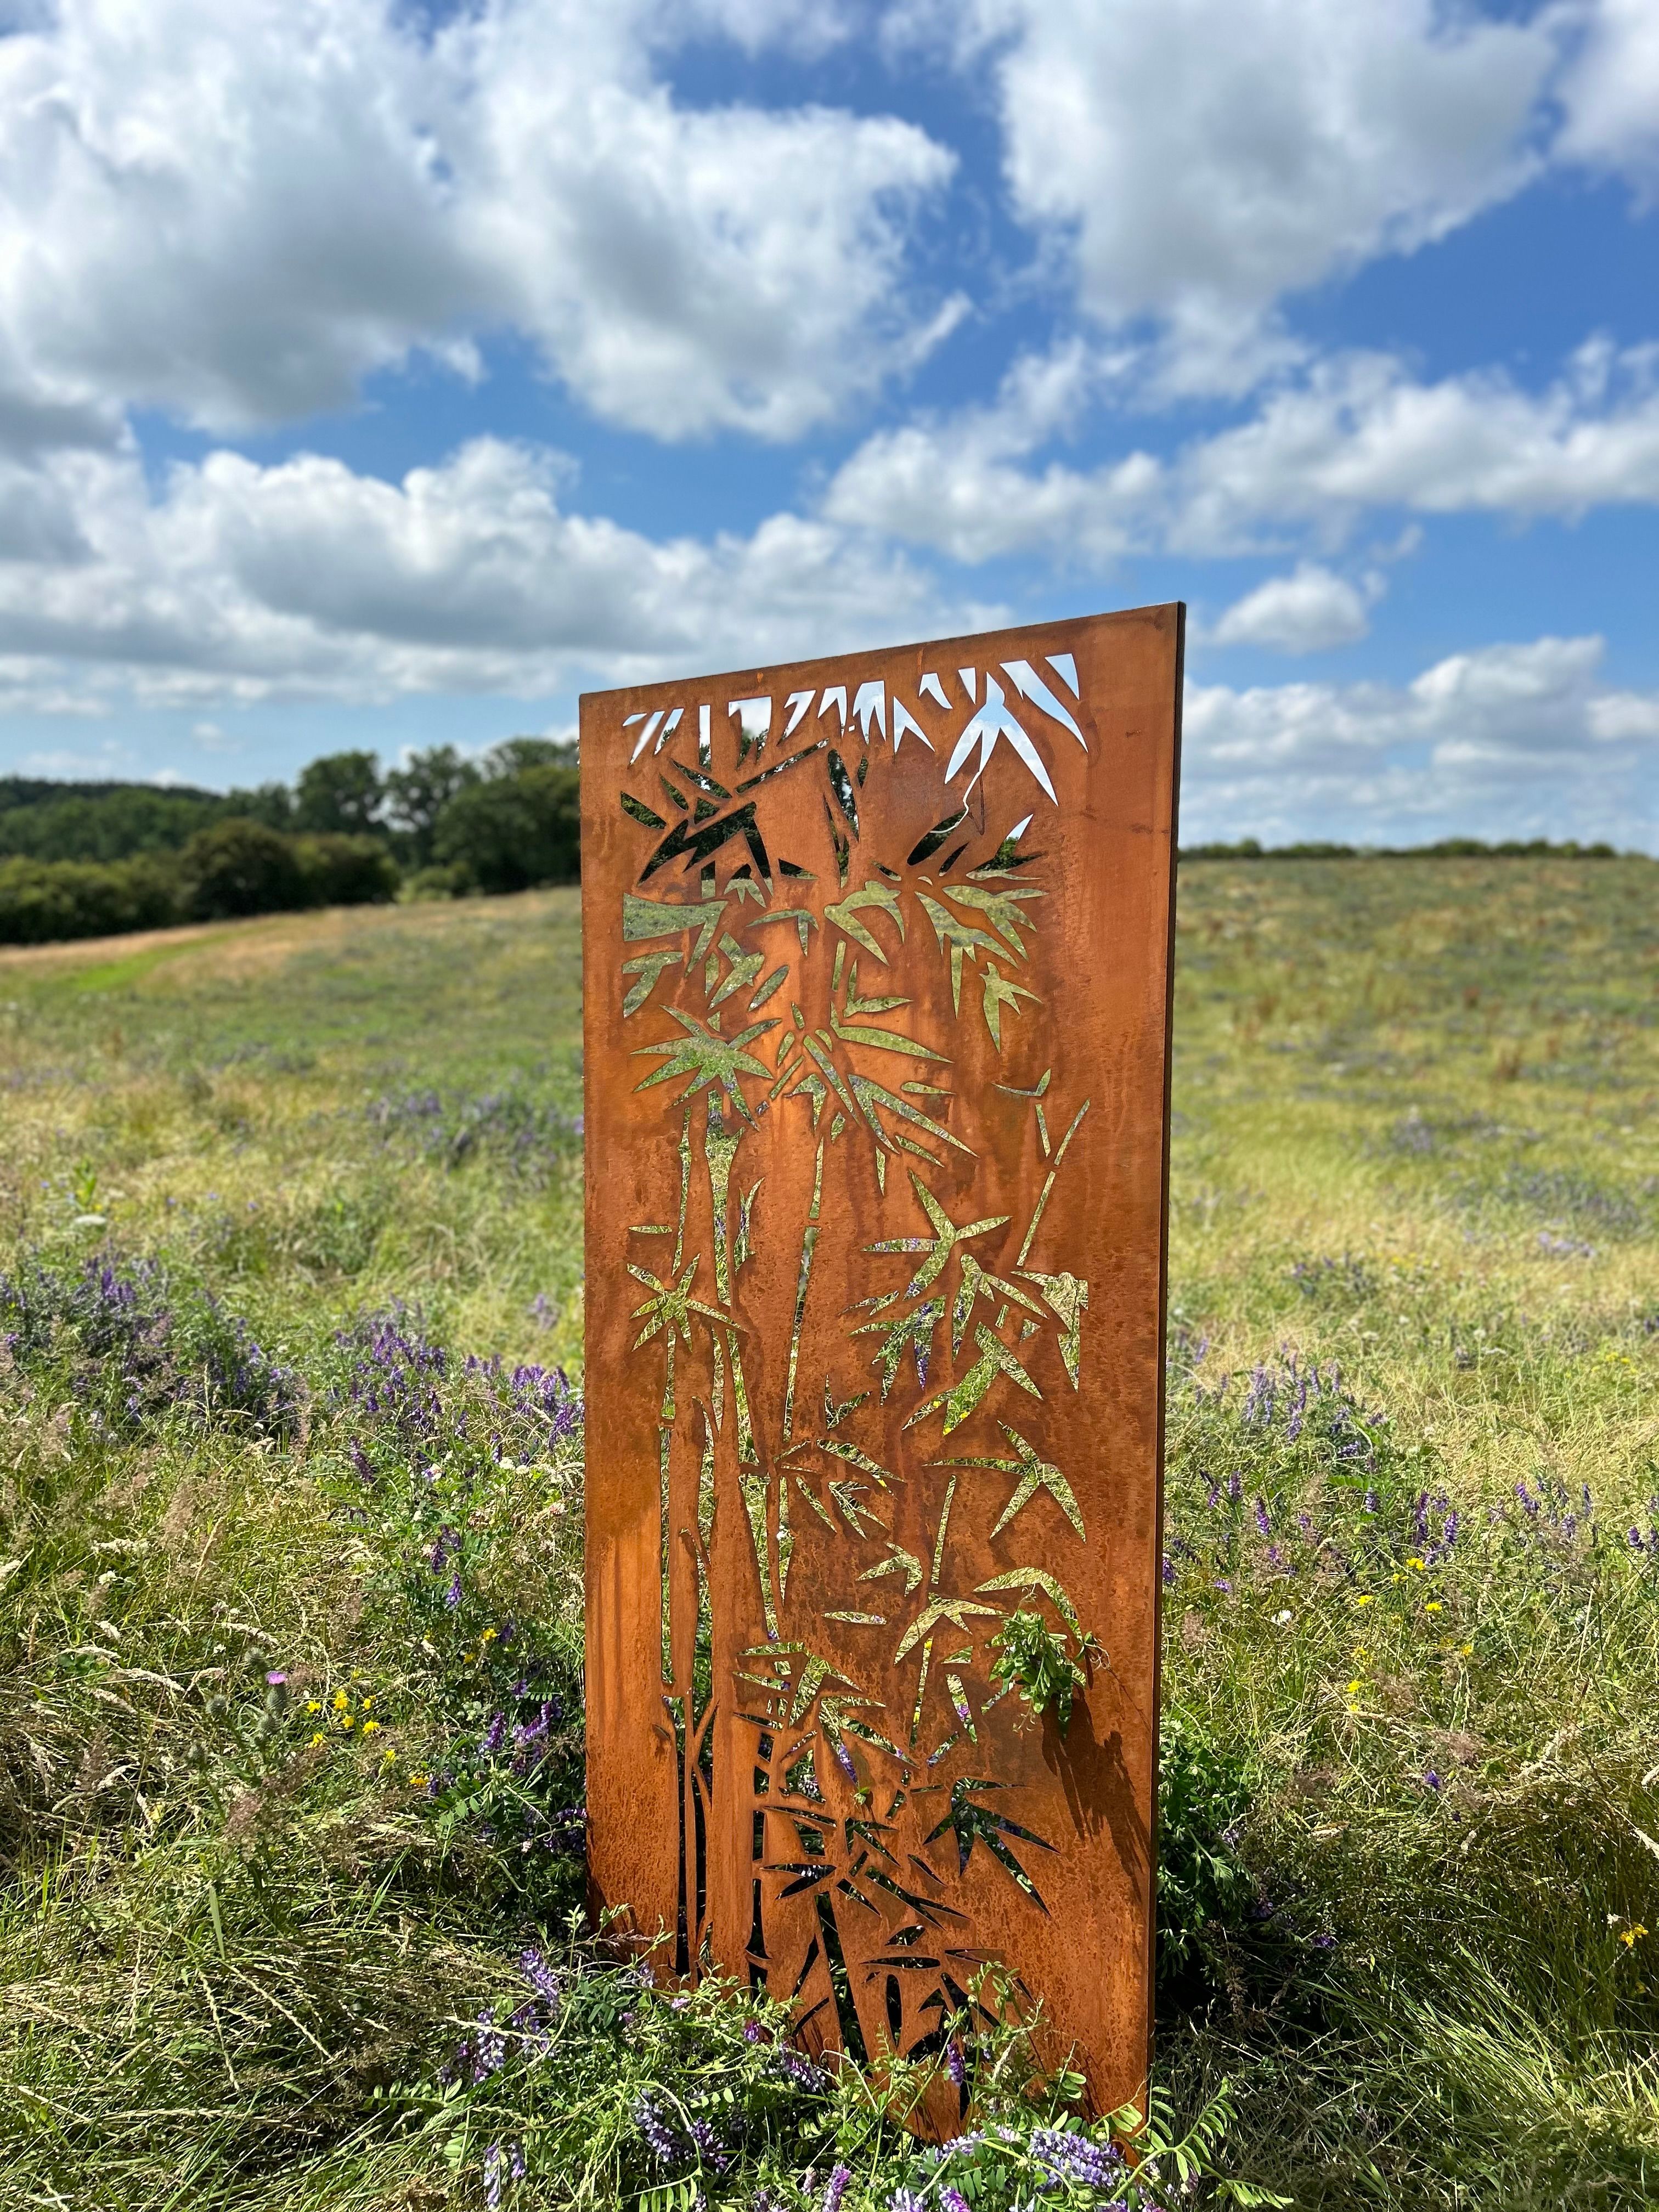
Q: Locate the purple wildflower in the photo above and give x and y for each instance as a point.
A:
(797, 2067)
(488, 2047)
(955, 2065)
(660, 2138)
(1070, 2156)
(541, 1977)
(494, 2174)
(708, 2147)
(1263, 1521)
(840, 2181)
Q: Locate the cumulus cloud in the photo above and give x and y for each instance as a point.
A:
(1307, 611)
(1195, 160)
(1352, 434)
(1610, 93)
(243, 582)
(236, 216)
(1512, 740)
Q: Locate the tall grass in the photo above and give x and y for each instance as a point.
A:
(290, 1545)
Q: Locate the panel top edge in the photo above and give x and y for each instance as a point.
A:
(977, 640)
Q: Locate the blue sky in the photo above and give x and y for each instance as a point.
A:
(384, 375)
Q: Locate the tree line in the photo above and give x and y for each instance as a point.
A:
(93, 859)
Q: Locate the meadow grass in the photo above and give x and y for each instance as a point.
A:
(290, 1290)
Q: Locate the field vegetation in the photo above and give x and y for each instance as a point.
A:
(290, 1527)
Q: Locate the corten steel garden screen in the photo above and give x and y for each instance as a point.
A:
(877, 953)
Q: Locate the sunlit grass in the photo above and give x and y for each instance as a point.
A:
(1412, 1819)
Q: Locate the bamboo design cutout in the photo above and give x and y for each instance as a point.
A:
(881, 1337)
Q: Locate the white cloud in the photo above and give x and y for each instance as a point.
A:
(1307, 611)
(1359, 432)
(1195, 160)
(237, 216)
(1510, 741)
(1352, 435)
(1611, 92)
(243, 582)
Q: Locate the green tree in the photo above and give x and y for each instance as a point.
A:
(271, 803)
(417, 793)
(345, 871)
(514, 755)
(111, 824)
(340, 794)
(239, 866)
(512, 832)
(42, 902)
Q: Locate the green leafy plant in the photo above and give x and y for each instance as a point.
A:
(1039, 1666)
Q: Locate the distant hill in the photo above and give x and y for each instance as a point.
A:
(1444, 848)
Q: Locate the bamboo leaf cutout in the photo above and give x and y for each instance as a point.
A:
(939, 1247)
(845, 915)
(707, 1057)
(960, 937)
(897, 1562)
(1038, 1578)
(953, 1609)
(648, 917)
(998, 993)
(1067, 1296)
(1034, 1474)
(999, 908)
(959, 1399)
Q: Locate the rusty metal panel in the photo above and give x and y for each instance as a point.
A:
(876, 955)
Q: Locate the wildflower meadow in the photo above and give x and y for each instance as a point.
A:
(290, 1589)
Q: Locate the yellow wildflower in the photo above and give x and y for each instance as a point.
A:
(1367, 1599)
(369, 1727)
(313, 1704)
(318, 1738)
(1355, 1687)
(347, 1722)
(1417, 1565)
(1433, 1605)
(341, 1701)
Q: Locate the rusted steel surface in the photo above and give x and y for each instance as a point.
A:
(877, 953)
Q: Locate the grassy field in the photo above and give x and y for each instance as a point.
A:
(290, 1319)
